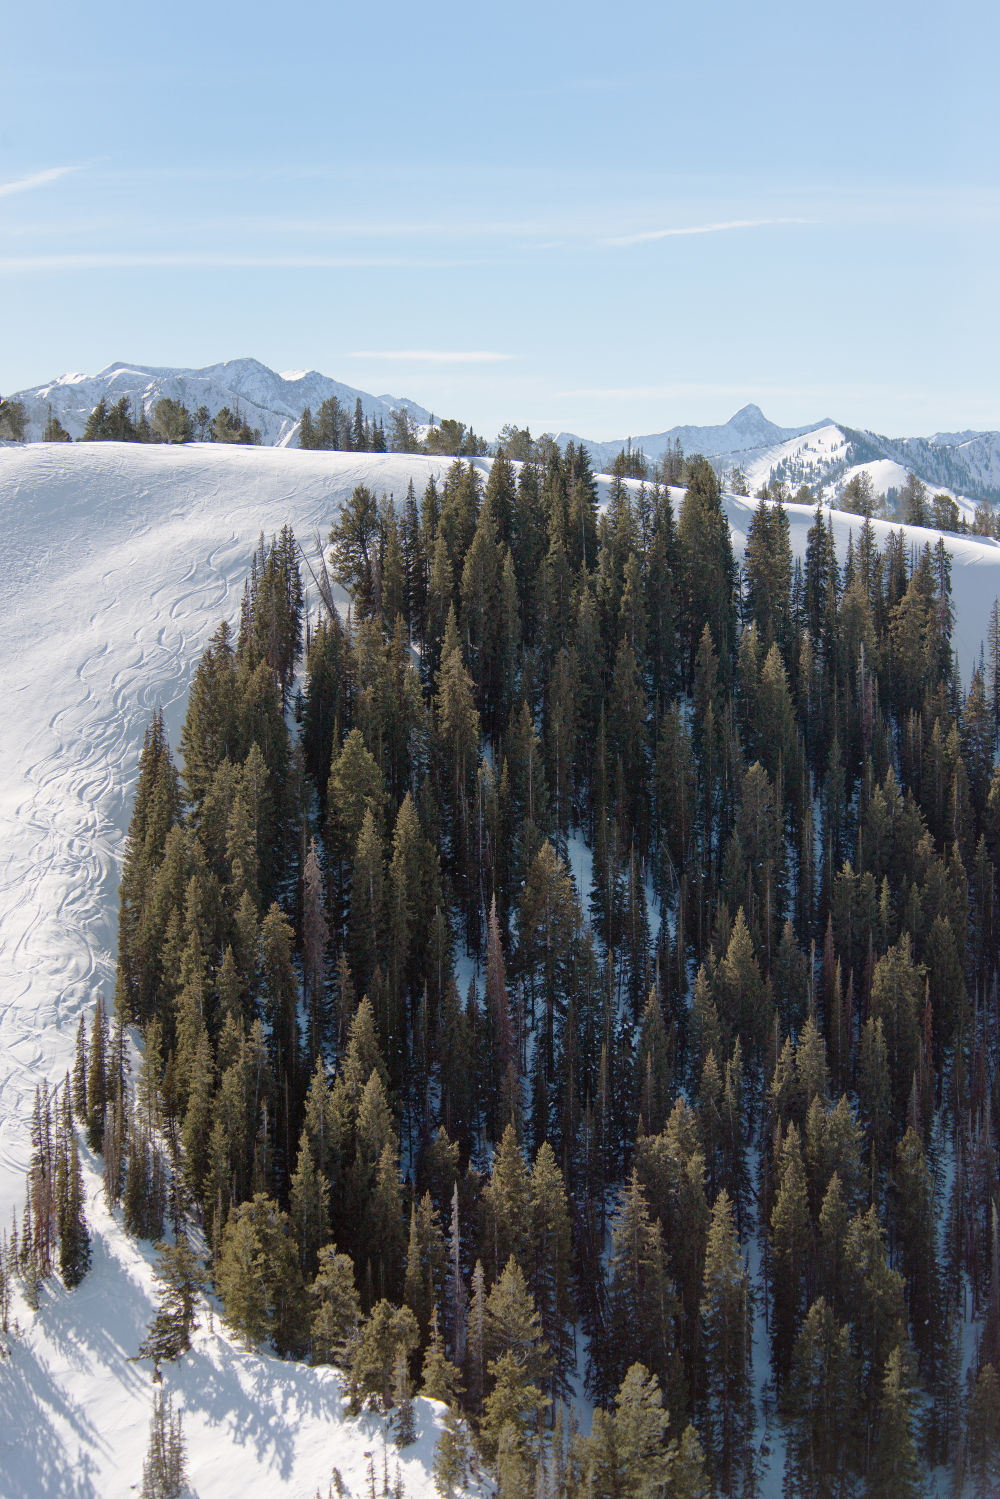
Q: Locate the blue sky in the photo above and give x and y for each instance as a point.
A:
(605, 219)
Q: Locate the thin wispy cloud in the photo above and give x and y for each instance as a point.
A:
(37, 179)
(684, 230)
(434, 356)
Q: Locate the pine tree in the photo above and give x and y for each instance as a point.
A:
(315, 938)
(402, 1394)
(258, 1276)
(181, 1277)
(80, 1073)
(439, 1378)
(790, 1253)
(425, 1265)
(896, 1470)
(451, 1457)
(309, 1207)
(165, 1467)
(984, 1431)
(367, 920)
(336, 1308)
(688, 1478)
(707, 566)
(642, 1313)
(74, 1238)
(725, 1331)
(384, 1335)
(821, 1398)
(916, 1229)
(629, 1454)
(97, 1077)
(550, 1269)
(475, 1339)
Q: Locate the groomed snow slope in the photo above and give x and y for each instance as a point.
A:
(116, 564)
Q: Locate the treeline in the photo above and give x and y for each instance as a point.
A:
(334, 428)
(601, 886)
(169, 421)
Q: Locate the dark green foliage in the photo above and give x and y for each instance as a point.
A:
(181, 1276)
(258, 1276)
(54, 430)
(785, 952)
(384, 1335)
(13, 420)
(897, 1472)
(156, 810)
(336, 1308)
(74, 1238)
(725, 1326)
(627, 1452)
(822, 1400)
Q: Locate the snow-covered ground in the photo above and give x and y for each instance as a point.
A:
(76, 1403)
(116, 564)
(975, 564)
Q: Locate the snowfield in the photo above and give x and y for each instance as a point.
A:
(116, 564)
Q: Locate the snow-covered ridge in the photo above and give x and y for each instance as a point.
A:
(116, 563)
(745, 432)
(267, 400)
(825, 455)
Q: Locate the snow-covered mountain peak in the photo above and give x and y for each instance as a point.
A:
(751, 421)
(269, 401)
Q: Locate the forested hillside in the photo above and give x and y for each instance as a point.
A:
(582, 958)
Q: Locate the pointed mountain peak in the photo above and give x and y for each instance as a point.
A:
(751, 420)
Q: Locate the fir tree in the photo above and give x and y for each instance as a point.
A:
(181, 1278)
(725, 1330)
(896, 1470)
(165, 1467)
(451, 1457)
(336, 1308)
(74, 1238)
(984, 1430)
(384, 1335)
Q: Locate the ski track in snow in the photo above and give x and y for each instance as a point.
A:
(116, 564)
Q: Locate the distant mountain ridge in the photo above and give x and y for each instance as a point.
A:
(748, 430)
(823, 454)
(268, 400)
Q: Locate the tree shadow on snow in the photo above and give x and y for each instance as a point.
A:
(33, 1442)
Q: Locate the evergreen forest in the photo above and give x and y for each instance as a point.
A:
(570, 973)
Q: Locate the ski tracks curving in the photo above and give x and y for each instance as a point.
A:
(116, 565)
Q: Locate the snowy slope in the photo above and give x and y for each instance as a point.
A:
(116, 563)
(267, 400)
(76, 1405)
(975, 564)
